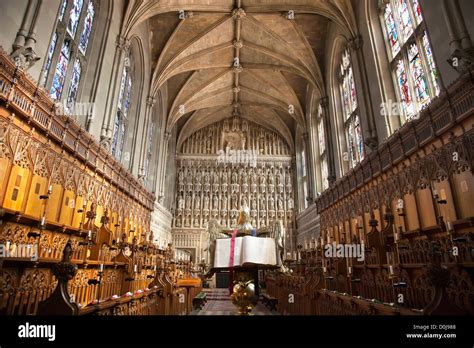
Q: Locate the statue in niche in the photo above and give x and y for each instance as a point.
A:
(244, 202)
(215, 203)
(180, 203)
(224, 202)
(280, 203)
(234, 201)
(262, 179)
(271, 203)
(234, 177)
(180, 180)
(187, 199)
(197, 185)
(271, 178)
(262, 203)
(198, 176)
(197, 202)
(254, 203)
(206, 202)
(206, 182)
(189, 184)
(253, 178)
(290, 203)
(224, 178)
(186, 221)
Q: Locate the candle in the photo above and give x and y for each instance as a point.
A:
(449, 226)
(101, 267)
(395, 236)
(50, 188)
(329, 239)
(154, 267)
(43, 219)
(322, 241)
(324, 269)
(390, 269)
(349, 270)
(135, 268)
(89, 234)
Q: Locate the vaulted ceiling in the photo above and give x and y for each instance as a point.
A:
(247, 57)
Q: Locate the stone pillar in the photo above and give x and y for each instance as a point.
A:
(121, 51)
(24, 45)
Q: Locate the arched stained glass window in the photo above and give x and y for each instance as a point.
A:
(76, 76)
(353, 133)
(413, 66)
(74, 16)
(323, 161)
(62, 10)
(86, 31)
(123, 106)
(52, 47)
(61, 70)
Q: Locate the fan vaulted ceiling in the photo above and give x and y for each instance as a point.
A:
(222, 57)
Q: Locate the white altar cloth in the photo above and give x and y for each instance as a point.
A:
(248, 250)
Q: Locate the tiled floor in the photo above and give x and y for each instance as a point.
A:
(219, 303)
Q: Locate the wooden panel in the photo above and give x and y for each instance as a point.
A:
(34, 204)
(16, 188)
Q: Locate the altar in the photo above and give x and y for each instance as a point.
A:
(243, 251)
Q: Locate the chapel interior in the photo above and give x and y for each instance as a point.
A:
(194, 157)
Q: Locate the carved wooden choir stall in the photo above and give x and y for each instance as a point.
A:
(75, 224)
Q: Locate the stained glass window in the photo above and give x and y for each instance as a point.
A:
(431, 63)
(76, 77)
(115, 135)
(418, 76)
(52, 47)
(391, 30)
(321, 136)
(324, 174)
(354, 141)
(62, 10)
(417, 11)
(122, 140)
(414, 69)
(60, 73)
(322, 158)
(126, 105)
(123, 104)
(123, 81)
(404, 88)
(74, 16)
(406, 26)
(64, 48)
(86, 31)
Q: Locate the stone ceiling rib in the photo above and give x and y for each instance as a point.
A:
(238, 57)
